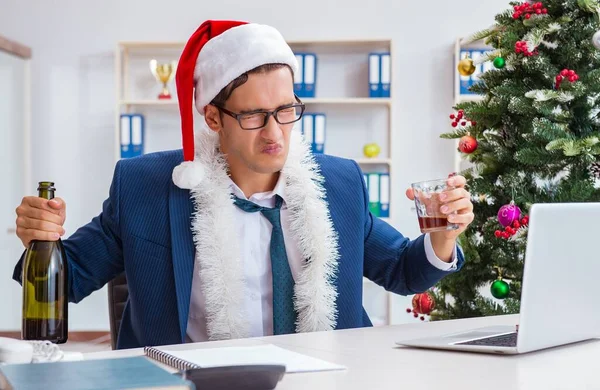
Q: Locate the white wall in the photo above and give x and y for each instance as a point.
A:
(73, 82)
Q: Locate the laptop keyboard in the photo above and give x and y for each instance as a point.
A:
(505, 340)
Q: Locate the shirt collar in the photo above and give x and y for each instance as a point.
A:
(262, 196)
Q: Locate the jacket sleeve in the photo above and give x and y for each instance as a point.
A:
(94, 251)
(395, 262)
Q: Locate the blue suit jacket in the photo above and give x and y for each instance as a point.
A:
(144, 230)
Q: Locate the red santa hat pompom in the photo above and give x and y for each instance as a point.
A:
(215, 55)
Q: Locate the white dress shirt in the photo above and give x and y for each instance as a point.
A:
(254, 234)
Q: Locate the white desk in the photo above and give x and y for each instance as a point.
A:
(374, 362)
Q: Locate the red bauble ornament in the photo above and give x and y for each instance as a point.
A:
(498, 233)
(423, 303)
(467, 144)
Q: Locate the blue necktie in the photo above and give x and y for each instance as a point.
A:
(284, 316)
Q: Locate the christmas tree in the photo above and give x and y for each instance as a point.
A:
(533, 137)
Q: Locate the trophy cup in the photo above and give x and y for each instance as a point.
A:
(163, 73)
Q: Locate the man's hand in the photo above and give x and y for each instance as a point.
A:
(459, 208)
(40, 219)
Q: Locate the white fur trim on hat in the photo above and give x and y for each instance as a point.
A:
(188, 174)
(234, 52)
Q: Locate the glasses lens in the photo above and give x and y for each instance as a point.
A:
(253, 121)
(289, 115)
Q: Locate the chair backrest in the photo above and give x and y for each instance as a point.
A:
(118, 293)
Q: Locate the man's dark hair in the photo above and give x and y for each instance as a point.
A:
(226, 92)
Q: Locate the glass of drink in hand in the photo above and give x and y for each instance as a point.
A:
(428, 204)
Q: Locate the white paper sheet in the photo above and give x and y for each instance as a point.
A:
(262, 354)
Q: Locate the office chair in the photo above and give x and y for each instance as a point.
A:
(118, 293)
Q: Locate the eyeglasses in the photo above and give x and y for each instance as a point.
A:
(258, 119)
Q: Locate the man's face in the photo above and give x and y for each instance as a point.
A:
(262, 150)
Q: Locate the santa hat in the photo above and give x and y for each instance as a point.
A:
(215, 55)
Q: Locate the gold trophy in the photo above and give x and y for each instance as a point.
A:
(163, 73)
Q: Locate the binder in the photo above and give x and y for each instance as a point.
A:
(374, 75)
(137, 135)
(299, 75)
(374, 205)
(308, 129)
(310, 75)
(126, 136)
(475, 77)
(319, 133)
(299, 126)
(488, 65)
(386, 73)
(384, 195)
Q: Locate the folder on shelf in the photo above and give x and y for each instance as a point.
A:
(476, 55)
(310, 75)
(487, 65)
(319, 133)
(125, 132)
(374, 75)
(137, 135)
(299, 76)
(132, 135)
(308, 130)
(374, 204)
(386, 72)
(384, 195)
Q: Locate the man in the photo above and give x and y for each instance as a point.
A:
(257, 236)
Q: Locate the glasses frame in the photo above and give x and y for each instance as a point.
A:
(269, 114)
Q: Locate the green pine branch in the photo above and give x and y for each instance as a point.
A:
(537, 142)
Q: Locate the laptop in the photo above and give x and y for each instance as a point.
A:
(559, 297)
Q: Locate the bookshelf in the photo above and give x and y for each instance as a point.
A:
(353, 118)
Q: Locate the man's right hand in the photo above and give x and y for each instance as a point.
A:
(40, 219)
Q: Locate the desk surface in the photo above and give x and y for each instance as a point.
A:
(375, 362)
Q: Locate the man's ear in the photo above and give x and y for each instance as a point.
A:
(213, 118)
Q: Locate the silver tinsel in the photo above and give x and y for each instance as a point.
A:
(595, 170)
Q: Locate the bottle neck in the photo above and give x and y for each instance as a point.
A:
(46, 194)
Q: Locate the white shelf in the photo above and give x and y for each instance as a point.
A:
(291, 42)
(374, 161)
(469, 98)
(340, 101)
(357, 101)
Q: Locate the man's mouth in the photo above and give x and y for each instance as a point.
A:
(272, 149)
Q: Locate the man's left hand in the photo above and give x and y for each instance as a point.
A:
(457, 205)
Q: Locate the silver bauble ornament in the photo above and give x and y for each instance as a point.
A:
(596, 39)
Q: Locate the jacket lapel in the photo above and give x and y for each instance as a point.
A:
(182, 250)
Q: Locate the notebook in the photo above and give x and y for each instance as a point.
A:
(106, 374)
(235, 356)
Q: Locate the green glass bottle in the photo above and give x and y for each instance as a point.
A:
(45, 286)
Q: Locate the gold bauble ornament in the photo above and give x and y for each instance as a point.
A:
(466, 67)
